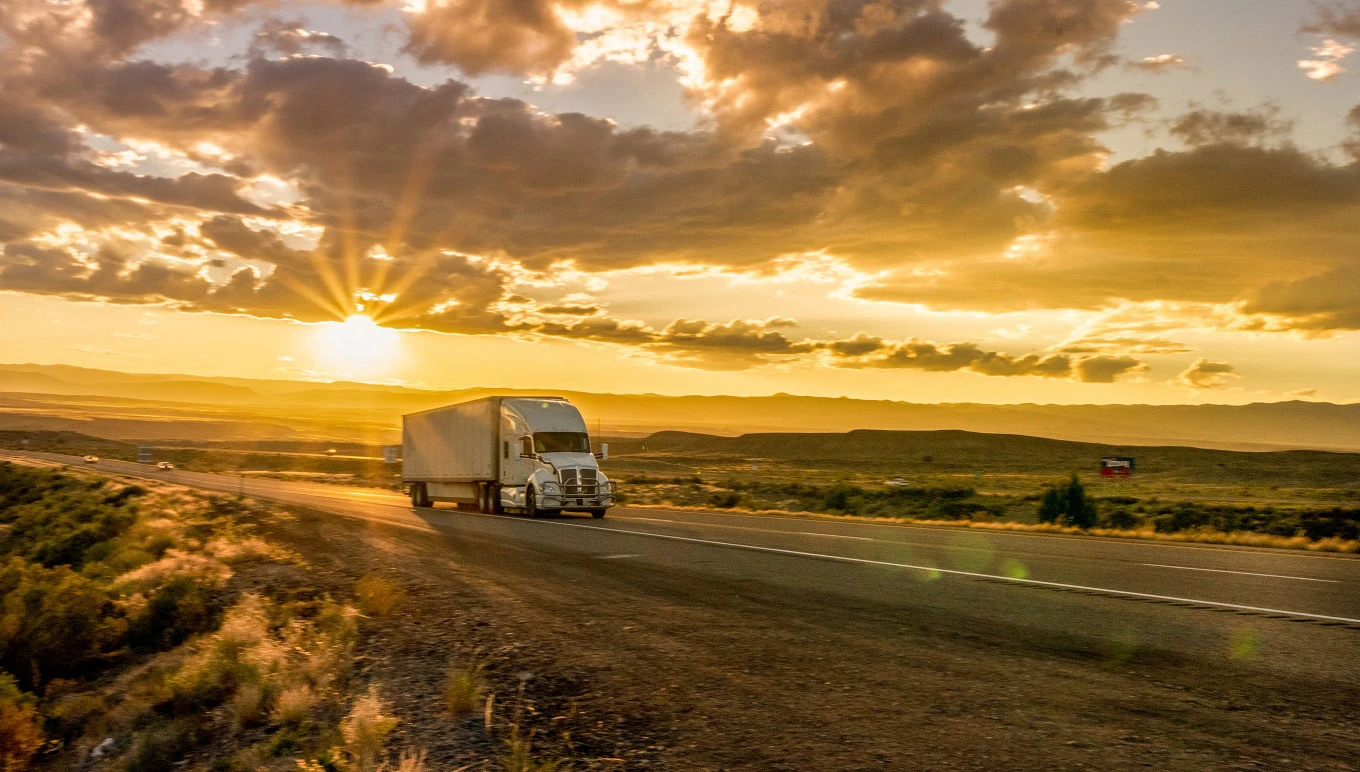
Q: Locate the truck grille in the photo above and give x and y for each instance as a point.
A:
(579, 482)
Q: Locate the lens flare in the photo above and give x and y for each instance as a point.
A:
(357, 347)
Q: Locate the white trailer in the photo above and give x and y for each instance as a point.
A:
(504, 454)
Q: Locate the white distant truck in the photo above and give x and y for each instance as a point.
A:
(505, 454)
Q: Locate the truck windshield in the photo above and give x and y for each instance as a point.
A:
(561, 442)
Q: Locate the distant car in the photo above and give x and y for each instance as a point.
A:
(898, 482)
(92, 459)
(165, 465)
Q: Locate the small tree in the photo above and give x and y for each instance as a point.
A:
(1053, 505)
(1079, 510)
(1068, 504)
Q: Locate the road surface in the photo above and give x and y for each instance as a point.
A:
(1261, 643)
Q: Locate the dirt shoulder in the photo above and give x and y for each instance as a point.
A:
(623, 665)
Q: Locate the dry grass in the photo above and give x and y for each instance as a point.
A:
(519, 757)
(463, 687)
(365, 731)
(247, 706)
(177, 563)
(409, 761)
(378, 596)
(293, 705)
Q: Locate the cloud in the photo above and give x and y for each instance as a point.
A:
(1159, 63)
(1213, 127)
(290, 38)
(517, 36)
(1334, 19)
(1203, 374)
(1327, 62)
(1320, 302)
(945, 172)
(868, 351)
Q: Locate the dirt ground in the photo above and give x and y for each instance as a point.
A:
(613, 665)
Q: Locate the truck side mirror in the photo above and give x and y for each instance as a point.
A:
(526, 447)
(603, 455)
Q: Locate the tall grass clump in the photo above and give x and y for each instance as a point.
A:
(463, 687)
(378, 596)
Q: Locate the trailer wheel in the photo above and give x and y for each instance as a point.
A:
(419, 496)
(597, 513)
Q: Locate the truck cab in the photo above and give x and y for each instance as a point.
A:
(546, 462)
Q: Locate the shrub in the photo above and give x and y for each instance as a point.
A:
(378, 596)
(20, 732)
(841, 498)
(160, 748)
(57, 623)
(1122, 519)
(175, 611)
(724, 499)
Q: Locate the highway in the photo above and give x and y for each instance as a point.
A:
(1303, 586)
(1234, 626)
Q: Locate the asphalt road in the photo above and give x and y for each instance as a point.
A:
(1215, 649)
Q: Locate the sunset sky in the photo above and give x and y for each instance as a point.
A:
(963, 200)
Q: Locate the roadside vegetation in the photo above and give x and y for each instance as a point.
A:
(350, 464)
(1067, 505)
(146, 628)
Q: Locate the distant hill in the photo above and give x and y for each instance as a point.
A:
(909, 453)
(133, 405)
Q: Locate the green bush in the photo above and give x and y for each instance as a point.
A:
(20, 727)
(724, 499)
(1069, 505)
(1121, 518)
(53, 623)
(178, 609)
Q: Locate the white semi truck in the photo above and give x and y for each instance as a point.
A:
(504, 454)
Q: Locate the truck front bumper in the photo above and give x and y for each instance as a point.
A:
(575, 502)
(599, 499)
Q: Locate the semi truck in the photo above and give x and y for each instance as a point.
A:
(528, 455)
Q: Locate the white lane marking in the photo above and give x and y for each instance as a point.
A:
(751, 528)
(955, 572)
(1243, 573)
(617, 557)
(831, 535)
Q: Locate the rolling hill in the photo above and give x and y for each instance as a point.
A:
(135, 405)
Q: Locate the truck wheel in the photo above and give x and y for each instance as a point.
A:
(530, 503)
(419, 497)
(597, 513)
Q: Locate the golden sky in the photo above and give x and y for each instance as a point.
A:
(1004, 201)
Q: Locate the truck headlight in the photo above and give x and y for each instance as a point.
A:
(551, 488)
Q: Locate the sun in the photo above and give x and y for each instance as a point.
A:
(357, 346)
